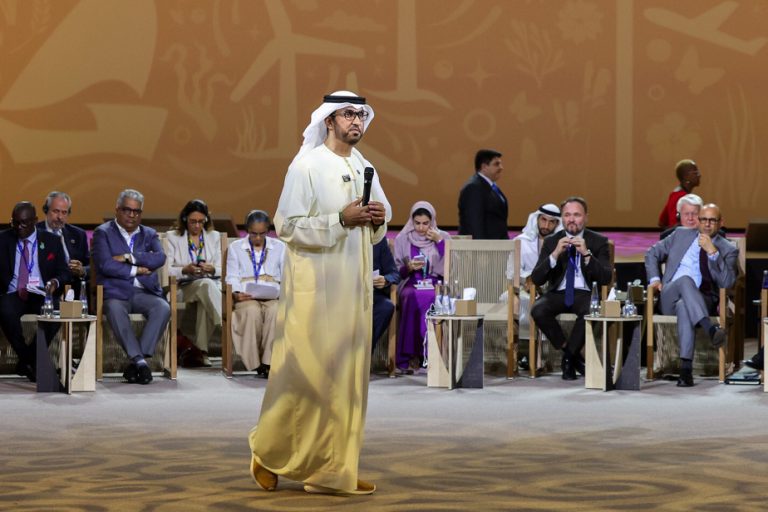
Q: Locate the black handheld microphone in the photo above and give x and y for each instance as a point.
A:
(367, 182)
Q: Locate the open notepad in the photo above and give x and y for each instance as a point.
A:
(264, 290)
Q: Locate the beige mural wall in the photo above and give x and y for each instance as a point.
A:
(208, 98)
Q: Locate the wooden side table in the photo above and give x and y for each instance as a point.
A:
(608, 371)
(445, 364)
(84, 377)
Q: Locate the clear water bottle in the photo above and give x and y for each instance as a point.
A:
(47, 310)
(426, 264)
(84, 299)
(629, 309)
(439, 298)
(446, 302)
(594, 303)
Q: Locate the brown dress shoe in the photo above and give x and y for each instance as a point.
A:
(266, 479)
(363, 488)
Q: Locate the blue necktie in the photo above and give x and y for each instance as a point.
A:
(496, 189)
(570, 276)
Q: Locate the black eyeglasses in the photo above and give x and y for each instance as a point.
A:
(130, 211)
(351, 114)
(708, 220)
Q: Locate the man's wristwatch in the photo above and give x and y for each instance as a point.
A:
(341, 219)
(127, 257)
(588, 255)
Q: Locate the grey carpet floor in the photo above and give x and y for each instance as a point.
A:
(524, 445)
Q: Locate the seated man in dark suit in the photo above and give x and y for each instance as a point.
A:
(28, 258)
(127, 256)
(482, 205)
(57, 208)
(383, 309)
(569, 262)
(699, 263)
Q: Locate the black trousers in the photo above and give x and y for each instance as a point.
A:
(551, 304)
(383, 309)
(11, 310)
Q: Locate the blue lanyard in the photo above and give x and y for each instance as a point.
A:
(257, 268)
(31, 263)
(199, 250)
(130, 243)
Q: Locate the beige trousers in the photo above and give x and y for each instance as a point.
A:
(253, 331)
(207, 294)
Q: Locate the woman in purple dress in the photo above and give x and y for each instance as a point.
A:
(419, 250)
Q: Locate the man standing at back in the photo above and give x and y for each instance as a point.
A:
(313, 413)
(482, 206)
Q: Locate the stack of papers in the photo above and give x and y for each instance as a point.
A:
(264, 290)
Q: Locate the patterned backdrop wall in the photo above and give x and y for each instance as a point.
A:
(208, 98)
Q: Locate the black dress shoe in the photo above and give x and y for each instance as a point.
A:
(145, 375)
(569, 372)
(131, 373)
(578, 364)
(719, 337)
(686, 379)
(26, 370)
(749, 363)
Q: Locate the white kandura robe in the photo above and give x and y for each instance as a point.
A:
(313, 413)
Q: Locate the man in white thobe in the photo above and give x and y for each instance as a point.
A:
(541, 223)
(313, 413)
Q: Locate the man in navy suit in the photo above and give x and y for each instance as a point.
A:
(569, 262)
(29, 258)
(127, 256)
(383, 308)
(698, 263)
(483, 207)
(57, 208)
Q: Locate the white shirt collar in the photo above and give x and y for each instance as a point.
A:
(123, 231)
(486, 178)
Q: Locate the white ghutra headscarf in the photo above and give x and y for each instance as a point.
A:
(316, 132)
(531, 230)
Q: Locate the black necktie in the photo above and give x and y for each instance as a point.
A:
(706, 277)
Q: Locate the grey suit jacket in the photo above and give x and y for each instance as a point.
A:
(724, 269)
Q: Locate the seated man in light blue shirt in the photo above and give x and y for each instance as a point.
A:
(699, 263)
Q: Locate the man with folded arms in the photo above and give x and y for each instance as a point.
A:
(127, 256)
(698, 263)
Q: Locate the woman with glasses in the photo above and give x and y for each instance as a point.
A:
(194, 258)
(419, 250)
(255, 269)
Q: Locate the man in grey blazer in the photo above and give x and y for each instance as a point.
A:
(127, 256)
(698, 263)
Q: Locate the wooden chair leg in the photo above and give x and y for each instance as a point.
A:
(533, 359)
(649, 333)
(99, 333)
